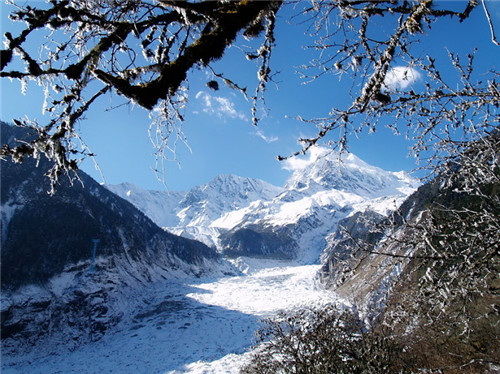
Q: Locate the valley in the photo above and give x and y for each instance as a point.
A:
(187, 325)
(181, 280)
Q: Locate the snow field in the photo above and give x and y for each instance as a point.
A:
(266, 291)
(185, 326)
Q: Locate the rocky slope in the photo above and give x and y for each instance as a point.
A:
(430, 271)
(367, 253)
(50, 285)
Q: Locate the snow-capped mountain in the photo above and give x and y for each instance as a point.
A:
(191, 213)
(327, 170)
(321, 191)
(243, 216)
(203, 205)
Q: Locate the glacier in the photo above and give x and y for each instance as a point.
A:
(186, 325)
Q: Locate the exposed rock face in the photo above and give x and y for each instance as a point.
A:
(344, 243)
(260, 243)
(83, 311)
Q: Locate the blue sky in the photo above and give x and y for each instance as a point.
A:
(220, 136)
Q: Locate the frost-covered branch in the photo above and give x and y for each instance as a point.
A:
(141, 50)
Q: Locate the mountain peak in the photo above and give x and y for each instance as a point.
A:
(223, 193)
(326, 169)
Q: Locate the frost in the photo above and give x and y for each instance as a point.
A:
(46, 97)
(24, 86)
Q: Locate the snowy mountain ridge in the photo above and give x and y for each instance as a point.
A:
(200, 205)
(203, 204)
(327, 169)
(233, 213)
(159, 206)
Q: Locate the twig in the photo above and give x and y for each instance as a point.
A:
(492, 29)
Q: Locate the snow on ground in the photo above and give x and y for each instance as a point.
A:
(266, 291)
(187, 326)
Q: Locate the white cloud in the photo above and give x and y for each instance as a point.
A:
(400, 77)
(267, 139)
(219, 105)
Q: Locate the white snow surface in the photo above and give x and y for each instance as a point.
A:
(187, 325)
(159, 206)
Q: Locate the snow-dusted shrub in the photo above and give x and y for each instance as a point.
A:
(321, 341)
